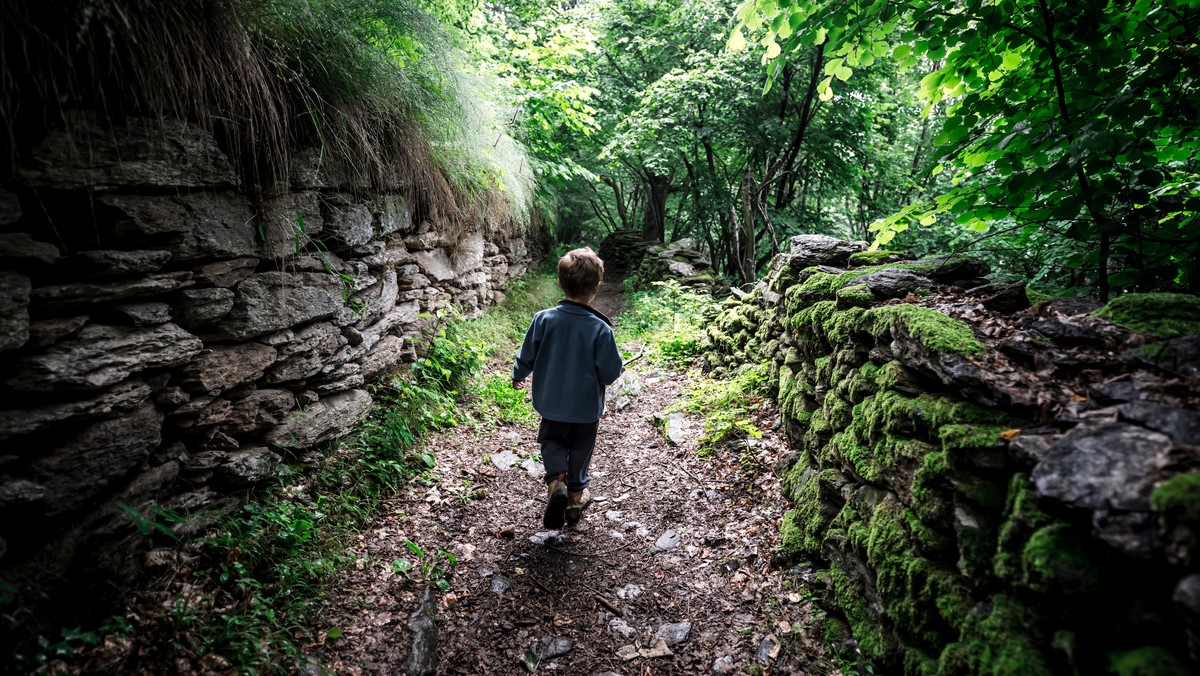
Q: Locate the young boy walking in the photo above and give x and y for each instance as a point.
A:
(571, 352)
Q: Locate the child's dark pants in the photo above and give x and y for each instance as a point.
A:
(567, 449)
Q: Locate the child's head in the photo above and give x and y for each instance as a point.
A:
(579, 271)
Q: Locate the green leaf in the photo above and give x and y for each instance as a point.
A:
(737, 41)
(334, 632)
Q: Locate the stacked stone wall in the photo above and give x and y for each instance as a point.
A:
(169, 342)
(984, 486)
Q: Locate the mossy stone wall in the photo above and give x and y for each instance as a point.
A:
(921, 478)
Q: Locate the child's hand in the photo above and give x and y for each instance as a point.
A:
(518, 384)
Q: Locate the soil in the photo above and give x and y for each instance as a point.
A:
(671, 538)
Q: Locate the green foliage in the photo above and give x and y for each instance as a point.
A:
(670, 320)
(1146, 661)
(1068, 118)
(726, 405)
(432, 569)
(1162, 315)
(500, 403)
(501, 328)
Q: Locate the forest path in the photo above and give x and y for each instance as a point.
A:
(672, 539)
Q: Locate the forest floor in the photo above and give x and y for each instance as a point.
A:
(676, 546)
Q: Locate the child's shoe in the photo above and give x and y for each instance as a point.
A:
(556, 504)
(577, 502)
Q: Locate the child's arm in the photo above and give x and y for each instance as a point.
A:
(526, 356)
(608, 358)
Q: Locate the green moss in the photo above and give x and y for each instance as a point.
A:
(810, 320)
(931, 496)
(1163, 315)
(840, 326)
(1056, 560)
(1023, 516)
(850, 596)
(956, 437)
(933, 330)
(791, 537)
(855, 295)
(1146, 661)
(844, 447)
(1179, 495)
(876, 257)
(1036, 297)
(997, 641)
(894, 413)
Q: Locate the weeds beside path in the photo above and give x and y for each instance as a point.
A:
(672, 538)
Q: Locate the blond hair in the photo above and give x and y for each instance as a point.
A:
(579, 271)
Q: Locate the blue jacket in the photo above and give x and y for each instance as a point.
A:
(573, 356)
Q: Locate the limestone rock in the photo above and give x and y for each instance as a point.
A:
(198, 308)
(120, 399)
(329, 418)
(20, 493)
(674, 633)
(145, 314)
(1104, 467)
(384, 356)
(119, 263)
(374, 302)
(952, 268)
(225, 273)
(344, 377)
(249, 466)
(270, 301)
(306, 354)
(394, 215)
(101, 356)
(1183, 426)
(894, 282)
(810, 250)
(351, 223)
(158, 153)
(89, 464)
(435, 264)
(257, 411)
(197, 225)
(468, 254)
(14, 310)
(222, 367)
(20, 247)
(79, 295)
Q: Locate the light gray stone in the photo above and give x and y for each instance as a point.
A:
(224, 366)
(225, 273)
(500, 585)
(550, 647)
(394, 215)
(894, 282)
(257, 411)
(351, 224)
(810, 250)
(667, 541)
(14, 310)
(306, 353)
(621, 628)
(269, 301)
(92, 462)
(156, 153)
(435, 264)
(393, 254)
(248, 467)
(376, 301)
(329, 418)
(21, 247)
(145, 314)
(107, 263)
(468, 253)
(384, 356)
(505, 460)
(674, 633)
(199, 308)
(344, 377)
(118, 400)
(101, 356)
(82, 294)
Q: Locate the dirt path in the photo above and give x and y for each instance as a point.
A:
(673, 539)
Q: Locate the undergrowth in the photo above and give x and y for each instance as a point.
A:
(726, 405)
(669, 319)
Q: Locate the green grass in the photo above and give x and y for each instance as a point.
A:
(725, 405)
(501, 329)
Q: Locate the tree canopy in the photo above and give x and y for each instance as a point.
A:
(1056, 138)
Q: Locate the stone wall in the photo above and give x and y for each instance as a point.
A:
(168, 342)
(982, 485)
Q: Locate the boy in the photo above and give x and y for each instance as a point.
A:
(573, 356)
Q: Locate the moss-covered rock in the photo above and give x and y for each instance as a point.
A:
(1178, 503)
(934, 331)
(1057, 559)
(1022, 517)
(1163, 315)
(1146, 661)
(877, 257)
(996, 640)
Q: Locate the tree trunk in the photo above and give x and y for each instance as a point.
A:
(654, 219)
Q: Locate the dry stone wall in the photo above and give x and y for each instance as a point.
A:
(982, 485)
(169, 342)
